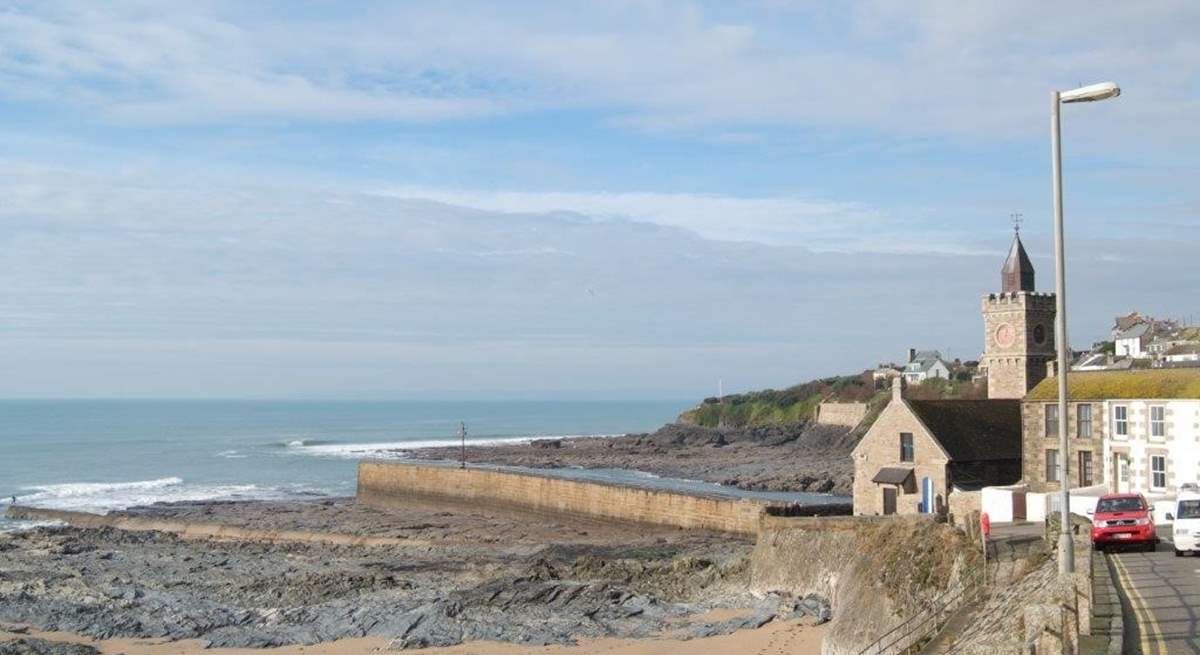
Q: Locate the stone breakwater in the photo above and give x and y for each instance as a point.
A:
(386, 484)
(799, 457)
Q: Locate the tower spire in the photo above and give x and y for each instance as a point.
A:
(1017, 274)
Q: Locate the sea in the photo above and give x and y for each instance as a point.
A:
(104, 455)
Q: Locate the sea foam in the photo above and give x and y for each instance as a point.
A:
(103, 497)
(397, 449)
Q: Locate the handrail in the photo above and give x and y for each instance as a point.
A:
(932, 612)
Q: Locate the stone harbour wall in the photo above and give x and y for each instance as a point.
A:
(847, 414)
(384, 483)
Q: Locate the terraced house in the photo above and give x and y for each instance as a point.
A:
(1133, 430)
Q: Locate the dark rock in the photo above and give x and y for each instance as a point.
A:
(31, 646)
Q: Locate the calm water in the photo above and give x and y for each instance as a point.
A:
(104, 455)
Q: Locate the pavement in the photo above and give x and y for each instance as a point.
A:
(1161, 599)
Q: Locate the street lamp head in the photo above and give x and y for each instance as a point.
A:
(1091, 93)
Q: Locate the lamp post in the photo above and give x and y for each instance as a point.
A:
(1092, 93)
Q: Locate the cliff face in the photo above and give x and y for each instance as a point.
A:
(795, 404)
(874, 572)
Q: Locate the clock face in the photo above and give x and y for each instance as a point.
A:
(1005, 335)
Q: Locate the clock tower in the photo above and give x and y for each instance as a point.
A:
(1018, 326)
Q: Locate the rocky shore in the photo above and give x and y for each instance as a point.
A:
(455, 574)
(799, 457)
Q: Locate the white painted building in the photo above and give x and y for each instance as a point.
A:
(1132, 342)
(1130, 431)
(1151, 445)
(924, 365)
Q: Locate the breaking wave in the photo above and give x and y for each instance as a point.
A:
(103, 497)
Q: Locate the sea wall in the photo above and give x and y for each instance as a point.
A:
(874, 571)
(847, 414)
(384, 483)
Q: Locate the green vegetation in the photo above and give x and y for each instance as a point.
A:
(798, 403)
(792, 405)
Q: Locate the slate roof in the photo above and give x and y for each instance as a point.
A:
(893, 475)
(1138, 330)
(1129, 385)
(1017, 273)
(973, 430)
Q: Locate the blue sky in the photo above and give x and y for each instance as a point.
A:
(577, 200)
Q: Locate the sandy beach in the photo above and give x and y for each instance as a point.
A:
(778, 638)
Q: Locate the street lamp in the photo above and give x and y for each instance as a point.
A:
(1091, 93)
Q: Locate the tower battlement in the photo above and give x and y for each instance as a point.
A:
(1018, 326)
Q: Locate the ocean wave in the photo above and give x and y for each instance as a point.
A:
(301, 443)
(398, 449)
(103, 497)
(7, 526)
(391, 448)
(231, 454)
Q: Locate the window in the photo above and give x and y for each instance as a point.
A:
(1039, 334)
(1124, 504)
(1158, 472)
(1085, 468)
(1121, 421)
(1083, 421)
(906, 447)
(1051, 466)
(1188, 509)
(1158, 421)
(1051, 420)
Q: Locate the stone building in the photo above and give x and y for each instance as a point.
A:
(1018, 327)
(1128, 430)
(918, 452)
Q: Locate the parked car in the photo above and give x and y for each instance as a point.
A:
(1186, 516)
(1121, 519)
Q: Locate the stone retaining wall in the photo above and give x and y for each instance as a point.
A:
(847, 414)
(384, 483)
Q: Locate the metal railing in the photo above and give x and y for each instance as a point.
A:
(913, 632)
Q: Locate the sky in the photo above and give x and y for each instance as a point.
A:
(578, 200)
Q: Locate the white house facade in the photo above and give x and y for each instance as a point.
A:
(1151, 445)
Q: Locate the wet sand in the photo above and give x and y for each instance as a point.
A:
(777, 638)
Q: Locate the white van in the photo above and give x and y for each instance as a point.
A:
(1186, 531)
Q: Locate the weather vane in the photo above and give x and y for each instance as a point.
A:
(1017, 219)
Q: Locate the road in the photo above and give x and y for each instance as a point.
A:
(1161, 599)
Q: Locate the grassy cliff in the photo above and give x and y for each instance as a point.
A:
(797, 404)
(781, 406)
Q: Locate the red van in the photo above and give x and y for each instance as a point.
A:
(1123, 519)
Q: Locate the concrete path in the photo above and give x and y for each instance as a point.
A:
(1161, 599)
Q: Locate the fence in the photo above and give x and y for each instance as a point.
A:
(917, 629)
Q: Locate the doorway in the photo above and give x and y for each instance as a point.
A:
(1120, 473)
(889, 500)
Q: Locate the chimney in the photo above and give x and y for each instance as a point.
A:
(1051, 368)
(912, 354)
(897, 387)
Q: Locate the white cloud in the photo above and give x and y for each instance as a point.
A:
(823, 226)
(932, 68)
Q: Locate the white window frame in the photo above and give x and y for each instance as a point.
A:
(1158, 427)
(1081, 422)
(1155, 472)
(1121, 421)
(1049, 409)
(1052, 472)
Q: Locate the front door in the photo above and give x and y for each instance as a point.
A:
(1018, 508)
(889, 500)
(1121, 473)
